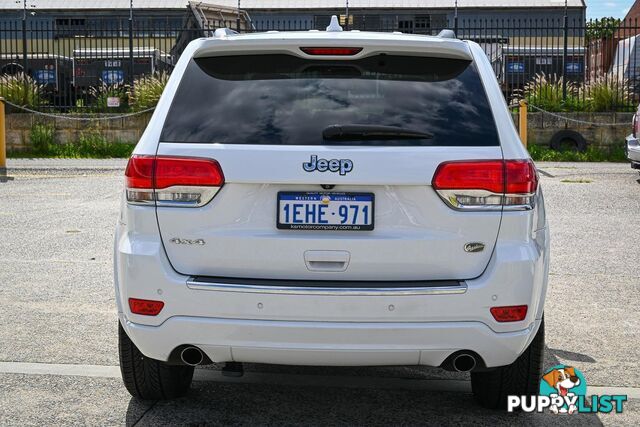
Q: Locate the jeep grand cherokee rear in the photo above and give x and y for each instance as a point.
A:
(329, 198)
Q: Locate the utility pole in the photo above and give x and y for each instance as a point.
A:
(238, 18)
(346, 22)
(24, 39)
(131, 62)
(455, 19)
(564, 53)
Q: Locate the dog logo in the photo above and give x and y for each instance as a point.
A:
(344, 166)
(563, 390)
(566, 382)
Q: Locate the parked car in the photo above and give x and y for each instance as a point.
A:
(632, 146)
(54, 73)
(521, 64)
(112, 66)
(332, 198)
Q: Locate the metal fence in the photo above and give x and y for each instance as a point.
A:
(68, 65)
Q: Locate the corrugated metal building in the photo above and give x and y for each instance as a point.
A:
(73, 45)
(417, 16)
(69, 13)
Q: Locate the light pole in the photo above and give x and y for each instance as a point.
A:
(564, 53)
(346, 22)
(238, 18)
(455, 18)
(131, 42)
(24, 37)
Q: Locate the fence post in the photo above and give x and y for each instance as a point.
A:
(565, 55)
(131, 61)
(3, 139)
(522, 115)
(25, 61)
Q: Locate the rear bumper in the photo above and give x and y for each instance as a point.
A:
(329, 343)
(317, 328)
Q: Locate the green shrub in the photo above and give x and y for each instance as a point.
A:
(146, 91)
(90, 144)
(606, 94)
(93, 144)
(21, 90)
(600, 95)
(546, 92)
(614, 153)
(42, 138)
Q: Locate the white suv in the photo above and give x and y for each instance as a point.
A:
(332, 198)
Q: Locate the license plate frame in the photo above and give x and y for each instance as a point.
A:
(326, 227)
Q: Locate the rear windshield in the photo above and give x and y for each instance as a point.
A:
(286, 100)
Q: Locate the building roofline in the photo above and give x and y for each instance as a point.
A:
(180, 9)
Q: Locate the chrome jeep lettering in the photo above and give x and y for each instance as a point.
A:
(343, 166)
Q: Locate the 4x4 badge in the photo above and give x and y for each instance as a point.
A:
(344, 166)
(180, 241)
(474, 247)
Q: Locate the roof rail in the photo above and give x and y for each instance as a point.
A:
(447, 34)
(224, 32)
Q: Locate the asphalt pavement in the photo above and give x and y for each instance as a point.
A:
(58, 348)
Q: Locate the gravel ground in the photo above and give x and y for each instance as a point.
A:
(56, 298)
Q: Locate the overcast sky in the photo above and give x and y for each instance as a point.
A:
(615, 8)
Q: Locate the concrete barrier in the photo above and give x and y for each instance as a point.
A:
(126, 129)
(541, 128)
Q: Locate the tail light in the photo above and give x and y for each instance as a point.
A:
(487, 184)
(172, 181)
(331, 51)
(636, 126)
(512, 313)
(145, 307)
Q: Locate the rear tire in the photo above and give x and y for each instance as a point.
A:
(150, 379)
(521, 378)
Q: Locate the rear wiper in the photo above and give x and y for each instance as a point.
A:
(370, 132)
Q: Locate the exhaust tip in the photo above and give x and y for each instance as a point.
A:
(464, 362)
(192, 356)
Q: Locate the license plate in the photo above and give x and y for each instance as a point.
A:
(325, 211)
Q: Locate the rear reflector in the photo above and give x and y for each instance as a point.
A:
(172, 181)
(331, 51)
(512, 313)
(487, 184)
(145, 307)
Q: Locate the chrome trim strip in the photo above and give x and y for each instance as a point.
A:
(450, 198)
(292, 290)
(206, 195)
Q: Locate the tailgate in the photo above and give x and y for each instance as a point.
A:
(375, 124)
(416, 236)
